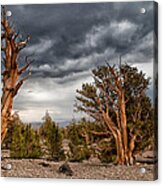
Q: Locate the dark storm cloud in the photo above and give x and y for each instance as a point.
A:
(62, 31)
(69, 40)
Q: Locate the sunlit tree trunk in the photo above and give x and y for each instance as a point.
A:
(11, 45)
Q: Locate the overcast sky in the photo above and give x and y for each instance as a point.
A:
(68, 40)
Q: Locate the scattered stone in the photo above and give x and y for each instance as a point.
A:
(94, 160)
(44, 164)
(65, 169)
(149, 157)
(32, 169)
(85, 161)
(146, 160)
(5, 153)
(149, 154)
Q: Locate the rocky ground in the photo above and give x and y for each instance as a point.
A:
(48, 169)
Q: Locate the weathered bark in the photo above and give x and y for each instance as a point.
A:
(11, 46)
(119, 131)
(124, 125)
(120, 159)
(132, 147)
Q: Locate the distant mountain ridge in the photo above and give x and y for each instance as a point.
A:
(61, 123)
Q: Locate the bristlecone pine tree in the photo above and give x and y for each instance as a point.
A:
(13, 76)
(116, 98)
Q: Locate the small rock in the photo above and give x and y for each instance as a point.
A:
(85, 161)
(44, 164)
(149, 154)
(65, 169)
(94, 160)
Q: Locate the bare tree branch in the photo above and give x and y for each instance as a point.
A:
(28, 63)
(100, 133)
(22, 44)
(20, 84)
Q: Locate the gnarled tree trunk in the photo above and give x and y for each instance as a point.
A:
(11, 45)
(124, 147)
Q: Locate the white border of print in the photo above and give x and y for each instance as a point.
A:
(47, 182)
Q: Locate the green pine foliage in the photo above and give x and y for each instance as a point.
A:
(78, 147)
(139, 109)
(84, 142)
(15, 121)
(25, 142)
(52, 137)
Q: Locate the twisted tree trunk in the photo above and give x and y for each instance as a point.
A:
(124, 146)
(11, 45)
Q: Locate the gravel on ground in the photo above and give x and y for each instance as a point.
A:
(39, 168)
